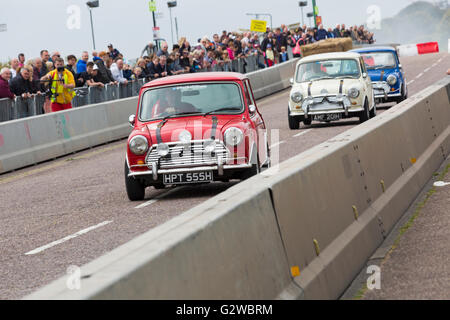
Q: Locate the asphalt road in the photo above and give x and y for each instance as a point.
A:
(75, 209)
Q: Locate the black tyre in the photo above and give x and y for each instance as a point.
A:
(403, 97)
(373, 112)
(365, 114)
(253, 171)
(294, 124)
(269, 162)
(135, 189)
(159, 186)
(308, 121)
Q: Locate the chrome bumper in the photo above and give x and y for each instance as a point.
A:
(329, 104)
(386, 96)
(386, 88)
(220, 168)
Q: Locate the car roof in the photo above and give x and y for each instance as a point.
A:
(197, 77)
(331, 55)
(374, 49)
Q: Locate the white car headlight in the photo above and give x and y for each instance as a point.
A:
(391, 79)
(210, 146)
(233, 136)
(353, 93)
(185, 136)
(163, 149)
(139, 145)
(297, 97)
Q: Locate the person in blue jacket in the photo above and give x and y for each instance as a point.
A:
(82, 63)
(321, 33)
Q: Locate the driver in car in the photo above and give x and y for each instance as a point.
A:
(171, 104)
(314, 71)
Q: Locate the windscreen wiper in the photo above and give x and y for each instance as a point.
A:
(322, 78)
(222, 109)
(180, 114)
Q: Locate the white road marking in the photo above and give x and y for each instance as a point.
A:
(419, 75)
(277, 144)
(302, 133)
(410, 82)
(427, 69)
(434, 64)
(79, 233)
(156, 199)
(439, 60)
(441, 184)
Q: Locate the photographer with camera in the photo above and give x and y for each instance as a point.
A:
(62, 86)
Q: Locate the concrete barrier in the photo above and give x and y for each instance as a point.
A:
(32, 140)
(302, 230)
(268, 81)
(336, 202)
(229, 247)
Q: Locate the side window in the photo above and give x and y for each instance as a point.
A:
(248, 93)
(363, 65)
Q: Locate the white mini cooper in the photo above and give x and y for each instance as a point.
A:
(329, 87)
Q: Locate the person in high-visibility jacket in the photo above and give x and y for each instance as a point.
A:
(62, 85)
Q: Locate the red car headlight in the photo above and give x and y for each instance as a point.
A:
(139, 145)
(233, 136)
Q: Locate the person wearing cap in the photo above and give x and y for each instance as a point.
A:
(113, 53)
(55, 55)
(93, 72)
(270, 55)
(90, 76)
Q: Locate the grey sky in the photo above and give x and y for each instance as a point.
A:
(35, 25)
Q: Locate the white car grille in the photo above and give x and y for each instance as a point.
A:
(187, 155)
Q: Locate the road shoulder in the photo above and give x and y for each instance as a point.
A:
(414, 258)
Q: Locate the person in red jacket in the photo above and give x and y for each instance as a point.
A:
(5, 91)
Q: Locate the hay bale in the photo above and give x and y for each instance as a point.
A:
(327, 45)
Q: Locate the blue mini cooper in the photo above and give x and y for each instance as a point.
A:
(385, 70)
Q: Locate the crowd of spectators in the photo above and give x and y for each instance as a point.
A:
(24, 78)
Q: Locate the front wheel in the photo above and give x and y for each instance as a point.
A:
(365, 114)
(294, 124)
(253, 171)
(404, 95)
(373, 112)
(135, 189)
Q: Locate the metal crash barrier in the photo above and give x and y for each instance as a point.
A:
(22, 108)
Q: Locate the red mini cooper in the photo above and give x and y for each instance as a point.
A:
(195, 129)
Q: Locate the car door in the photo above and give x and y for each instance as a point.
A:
(367, 82)
(259, 124)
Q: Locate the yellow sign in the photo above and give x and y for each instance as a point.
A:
(152, 6)
(258, 26)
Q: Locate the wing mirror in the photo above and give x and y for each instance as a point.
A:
(251, 109)
(364, 75)
(132, 120)
(291, 81)
(400, 66)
